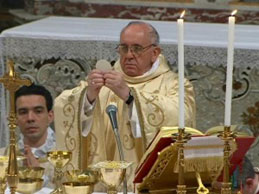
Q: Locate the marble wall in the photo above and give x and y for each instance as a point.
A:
(197, 10)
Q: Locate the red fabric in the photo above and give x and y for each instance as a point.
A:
(147, 165)
(243, 144)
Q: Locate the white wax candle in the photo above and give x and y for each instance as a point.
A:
(181, 71)
(230, 56)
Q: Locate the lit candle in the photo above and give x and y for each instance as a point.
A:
(230, 57)
(181, 69)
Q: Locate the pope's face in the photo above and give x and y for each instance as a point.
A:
(33, 117)
(134, 64)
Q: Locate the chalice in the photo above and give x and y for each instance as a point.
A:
(3, 166)
(112, 173)
(30, 179)
(58, 159)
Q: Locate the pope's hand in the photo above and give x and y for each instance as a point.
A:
(114, 80)
(95, 83)
(31, 161)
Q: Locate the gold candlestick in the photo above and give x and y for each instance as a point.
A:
(12, 82)
(182, 138)
(227, 135)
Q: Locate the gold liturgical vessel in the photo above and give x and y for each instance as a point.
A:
(30, 179)
(12, 82)
(3, 166)
(80, 181)
(59, 159)
(112, 173)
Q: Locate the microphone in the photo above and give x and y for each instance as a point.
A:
(111, 110)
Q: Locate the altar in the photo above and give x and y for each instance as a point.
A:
(58, 52)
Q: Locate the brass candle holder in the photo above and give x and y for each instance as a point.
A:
(227, 135)
(181, 138)
(12, 82)
(59, 159)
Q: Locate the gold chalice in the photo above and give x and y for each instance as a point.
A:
(80, 181)
(112, 174)
(59, 159)
(30, 179)
(83, 176)
(78, 188)
(29, 186)
(3, 166)
(30, 172)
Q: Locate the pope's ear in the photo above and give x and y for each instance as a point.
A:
(156, 53)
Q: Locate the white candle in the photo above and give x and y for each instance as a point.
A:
(180, 27)
(230, 57)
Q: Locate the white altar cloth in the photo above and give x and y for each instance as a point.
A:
(88, 38)
(96, 38)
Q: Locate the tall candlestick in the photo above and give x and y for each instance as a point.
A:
(180, 26)
(230, 57)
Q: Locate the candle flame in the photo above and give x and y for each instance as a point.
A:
(11, 68)
(234, 12)
(182, 14)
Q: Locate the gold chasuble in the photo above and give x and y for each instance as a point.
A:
(156, 100)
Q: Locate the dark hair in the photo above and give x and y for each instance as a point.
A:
(247, 171)
(35, 90)
(153, 33)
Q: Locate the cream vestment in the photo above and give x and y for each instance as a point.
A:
(156, 101)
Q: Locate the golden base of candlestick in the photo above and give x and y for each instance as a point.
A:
(227, 136)
(181, 138)
(181, 189)
(226, 188)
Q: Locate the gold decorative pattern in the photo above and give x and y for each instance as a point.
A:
(153, 119)
(128, 142)
(160, 165)
(82, 95)
(92, 147)
(69, 111)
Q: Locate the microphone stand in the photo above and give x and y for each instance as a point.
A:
(118, 140)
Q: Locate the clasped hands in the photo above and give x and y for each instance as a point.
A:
(111, 79)
(31, 160)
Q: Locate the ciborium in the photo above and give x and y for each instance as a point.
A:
(31, 172)
(58, 159)
(89, 176)
(30, 179)
(112, 174)
(3, 166)
(29, 186)
(77, 187)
